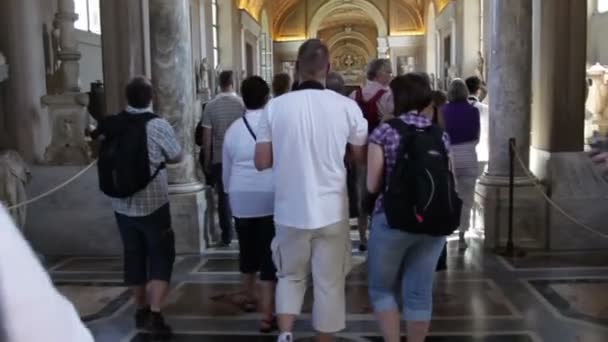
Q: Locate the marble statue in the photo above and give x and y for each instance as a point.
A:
(204, 74)
(14, 175)
(56, 46)
(597, 100)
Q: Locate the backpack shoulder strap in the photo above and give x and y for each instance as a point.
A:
(378, 96)
(359, 96)
(249, 128)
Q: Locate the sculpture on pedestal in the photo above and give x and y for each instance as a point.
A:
(597, 100)
(67, 105)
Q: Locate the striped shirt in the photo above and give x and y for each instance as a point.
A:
(219, 114)
(388, 137)
(162, 146)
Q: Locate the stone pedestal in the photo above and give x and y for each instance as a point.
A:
(188, 221)
(577, 186)
(492, 198)
(68, 121)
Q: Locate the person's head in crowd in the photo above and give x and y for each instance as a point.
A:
(255, 92)
(139, 92)
(335, 82)
(411, 92)
(281, 84)
(313, 61)
(458, 91)
(380, 70)
(474, 85)
(226, 81)
(439, 98)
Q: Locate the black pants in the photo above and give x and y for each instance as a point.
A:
(255, 236)
(223, 206)
(149, 246)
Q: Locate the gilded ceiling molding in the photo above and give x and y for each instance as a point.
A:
(440, 5)
(331, 5)
(354, 35)
(253, 7)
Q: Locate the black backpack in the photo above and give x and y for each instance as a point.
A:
(421, 197)
(124, 163)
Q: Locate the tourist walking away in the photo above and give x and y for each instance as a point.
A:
(281, 84)
(462, 123)
(251, 194)
(375, 100)
(335, 82)
(31, 308)
(304, 136)
(219, 114)
(475, 84)
(135, 146)
(417, 206)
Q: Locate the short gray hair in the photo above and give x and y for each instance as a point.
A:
(376, 66)
(335, 82)
(458, 91)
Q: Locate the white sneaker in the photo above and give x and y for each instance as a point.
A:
(285, 337)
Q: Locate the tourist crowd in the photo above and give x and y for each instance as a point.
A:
(279, 158)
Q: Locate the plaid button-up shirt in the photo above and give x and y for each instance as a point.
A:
(388, 137)
(162, 146)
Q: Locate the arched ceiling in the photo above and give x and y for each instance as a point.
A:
(278, 10)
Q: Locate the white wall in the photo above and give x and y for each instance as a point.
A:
(597, 46)
(91, 63)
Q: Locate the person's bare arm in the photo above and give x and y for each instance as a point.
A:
(357, 155)
(375, 168)
(263, 156)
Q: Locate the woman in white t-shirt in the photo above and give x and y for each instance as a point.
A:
(251, 196)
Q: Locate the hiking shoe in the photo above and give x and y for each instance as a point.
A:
(157, 326)
(141, 317)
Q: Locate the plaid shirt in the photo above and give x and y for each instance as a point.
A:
(389, 138)
(162, 145)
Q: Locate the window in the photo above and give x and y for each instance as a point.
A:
(89, 17)
(215, 32)
(602, 6)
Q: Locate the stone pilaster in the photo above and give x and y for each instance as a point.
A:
(124, 26)
(510, 83)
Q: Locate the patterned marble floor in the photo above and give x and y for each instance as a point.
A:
(482, 298)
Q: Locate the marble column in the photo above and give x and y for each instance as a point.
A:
(173, 79)
(25, 123)
(510, 81)
(124, 25)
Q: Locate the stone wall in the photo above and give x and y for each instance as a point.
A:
(597, 46)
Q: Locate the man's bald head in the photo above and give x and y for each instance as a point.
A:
(313, 60)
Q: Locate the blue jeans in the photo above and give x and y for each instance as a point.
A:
(397, 258)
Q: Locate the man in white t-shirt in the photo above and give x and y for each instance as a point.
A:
(304, 135)
(474, 84)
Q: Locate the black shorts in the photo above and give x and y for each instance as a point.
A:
(149, 246)
(255, 236)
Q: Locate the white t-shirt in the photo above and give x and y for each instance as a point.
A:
(31, 308)
(251, 192)
(483, 152)
(309, 130)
